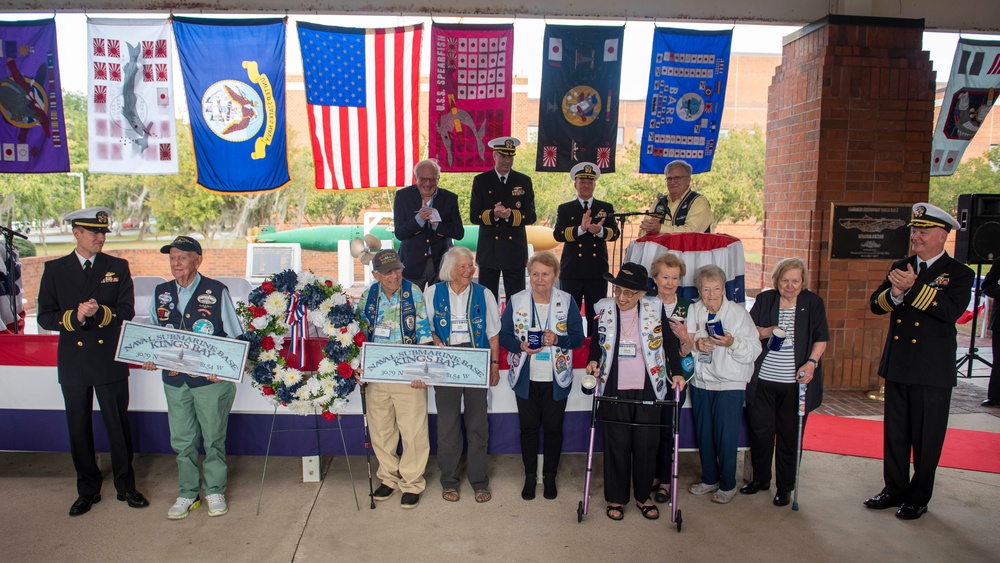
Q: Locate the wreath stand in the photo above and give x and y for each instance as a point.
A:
(319, 452)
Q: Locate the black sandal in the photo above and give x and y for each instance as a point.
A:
(662, 495)
(647, 509)
(619, 509)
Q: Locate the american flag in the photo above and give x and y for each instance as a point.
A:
(362, 89)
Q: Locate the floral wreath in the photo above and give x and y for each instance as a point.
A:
(291, 302)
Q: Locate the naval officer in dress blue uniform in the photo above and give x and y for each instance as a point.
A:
(85, 296)
(923, 295)
(586, 225)
(502, 204)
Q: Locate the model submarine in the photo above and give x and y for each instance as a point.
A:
(326, 238)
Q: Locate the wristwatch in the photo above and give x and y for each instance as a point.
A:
(813, 361)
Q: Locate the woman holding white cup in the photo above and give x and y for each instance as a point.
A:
(791, 323)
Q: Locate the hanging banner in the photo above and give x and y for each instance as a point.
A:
(130, 97)
(363, 125)
(687, 87)
(578, 105)
(972, 90)
(32, 131)
(470, 93)
(234, 81)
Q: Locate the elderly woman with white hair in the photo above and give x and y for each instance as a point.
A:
(463, 314)
(726, 343)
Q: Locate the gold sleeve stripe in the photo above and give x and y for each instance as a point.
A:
(108, 315)
(610, 234)
(67, 320)
(515, 218)
(883, 301)
(570, 234)
(924, 299)
(486, 217)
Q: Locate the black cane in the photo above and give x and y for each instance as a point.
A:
(368, 444)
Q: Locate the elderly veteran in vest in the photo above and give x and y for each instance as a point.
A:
(923, 295)
(85, 296)
(723, 367)
(197, 407)
(394, 309)
(682, 210)
(784, 363)
(629, 355)
(666, 271)
(586, 225)
(463, 314)
(541, 376)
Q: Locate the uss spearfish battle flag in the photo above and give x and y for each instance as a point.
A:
(470, 93)
(234, 81)
(578, 109)
(687, 87)
(32, 128)
(972, 91)
(362, 93)
(130, 97)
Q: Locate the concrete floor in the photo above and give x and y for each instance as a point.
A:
(319, 521)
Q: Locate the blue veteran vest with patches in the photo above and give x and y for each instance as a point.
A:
(203, 314)
(407, 312)
(476, 314)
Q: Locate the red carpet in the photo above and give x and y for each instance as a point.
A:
(963, 449)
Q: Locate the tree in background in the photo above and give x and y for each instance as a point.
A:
(980, 175)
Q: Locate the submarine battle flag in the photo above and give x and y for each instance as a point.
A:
(32, 129)
(130, 97)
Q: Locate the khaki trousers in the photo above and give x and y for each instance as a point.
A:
(397, 412)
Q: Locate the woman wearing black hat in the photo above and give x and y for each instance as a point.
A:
(627, 356)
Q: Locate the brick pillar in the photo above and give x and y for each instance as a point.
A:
(850, 119)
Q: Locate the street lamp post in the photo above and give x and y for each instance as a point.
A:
(83, 197)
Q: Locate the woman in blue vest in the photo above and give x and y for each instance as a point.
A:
(541, 377)
(629, 356)
(666, 271)
(463, 314)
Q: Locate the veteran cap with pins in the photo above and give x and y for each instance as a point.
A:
(184, 243)
(504, 145)
(386, 261)
(585, 170)
(95, 219)
(926, 215)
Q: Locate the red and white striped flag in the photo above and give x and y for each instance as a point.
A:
(362, 91)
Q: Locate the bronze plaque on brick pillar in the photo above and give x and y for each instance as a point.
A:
(869, 231)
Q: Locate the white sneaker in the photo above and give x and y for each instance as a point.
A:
(182, 507)
(700, 488)
(217, 505)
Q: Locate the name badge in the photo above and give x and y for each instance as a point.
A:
(459, 325)
(382, 331)
(545, 356)
(627, 350)
(704, 358)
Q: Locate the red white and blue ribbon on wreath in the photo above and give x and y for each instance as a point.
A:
(296, 319)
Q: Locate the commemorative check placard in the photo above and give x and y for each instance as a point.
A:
(182, 351)
(434, 365)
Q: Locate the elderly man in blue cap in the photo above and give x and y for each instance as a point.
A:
(923, 295)
(197, 407)
(86, 296)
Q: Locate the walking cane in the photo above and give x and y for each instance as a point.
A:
(368, 443)
(798, 455)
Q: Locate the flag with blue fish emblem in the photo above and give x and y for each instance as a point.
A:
(234, 81)
(687, 88)
(32, 128)
(130, 97)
